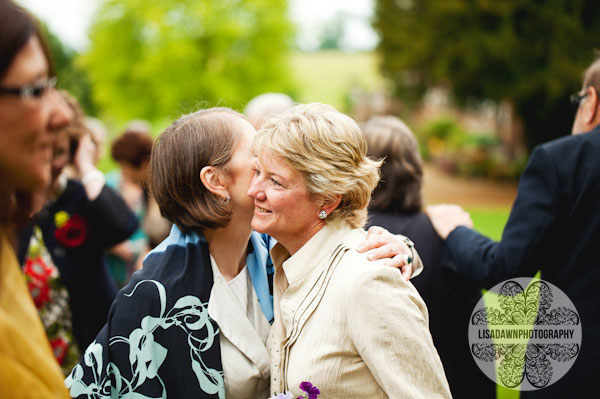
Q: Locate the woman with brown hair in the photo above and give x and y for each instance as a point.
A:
(30, 114)
(397, 205)
(131, 150)
(193, 322)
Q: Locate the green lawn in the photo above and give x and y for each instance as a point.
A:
(490, 222)
(328, 76)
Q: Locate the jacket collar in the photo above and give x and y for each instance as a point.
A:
(304, 261)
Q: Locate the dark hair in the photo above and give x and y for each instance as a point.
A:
(203, 138)
(77, 128)
(132, 147)
(399, 190)
(17, 26)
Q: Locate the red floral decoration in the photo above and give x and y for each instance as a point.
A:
(40, 292)
(36, 269)
(59, 347)
(73, 233)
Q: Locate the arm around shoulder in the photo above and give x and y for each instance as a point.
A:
(526, 239)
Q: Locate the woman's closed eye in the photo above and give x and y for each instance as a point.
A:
(276, 183)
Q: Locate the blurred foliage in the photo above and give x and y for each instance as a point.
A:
(71, 76)
(446, 143)
(333, 32)
(529, 52)
(156, 59)
(329, 76)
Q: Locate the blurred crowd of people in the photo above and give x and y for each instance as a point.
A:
(71, 237)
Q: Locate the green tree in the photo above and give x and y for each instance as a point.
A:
(71, 76)
(156, 59)
(528, 52)
(333, 32)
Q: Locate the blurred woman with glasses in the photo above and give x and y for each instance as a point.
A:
(31, 112)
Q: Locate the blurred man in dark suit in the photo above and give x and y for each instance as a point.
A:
(554, 226)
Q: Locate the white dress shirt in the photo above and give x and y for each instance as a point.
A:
(244, 330)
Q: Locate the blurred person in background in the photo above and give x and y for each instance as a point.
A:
(31, 113)
(397, 205)
(266, 105)
(62, 248)
(132, 151)
(97, 133)
(554, 226)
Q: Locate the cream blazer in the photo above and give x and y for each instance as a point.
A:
(353, 328)
(244, 355)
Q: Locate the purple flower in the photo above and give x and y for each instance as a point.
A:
(310, 389)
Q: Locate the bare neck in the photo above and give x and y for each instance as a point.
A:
(228, 246)
(296, 240)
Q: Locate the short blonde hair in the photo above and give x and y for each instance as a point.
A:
(330, 152)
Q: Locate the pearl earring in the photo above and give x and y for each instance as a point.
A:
(322, 214)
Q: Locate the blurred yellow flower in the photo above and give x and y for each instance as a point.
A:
(60, 218)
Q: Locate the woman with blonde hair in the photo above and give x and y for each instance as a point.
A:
(193, 323)
(353, 330)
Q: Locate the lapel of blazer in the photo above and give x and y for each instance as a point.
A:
(307, 306)
(225, 310)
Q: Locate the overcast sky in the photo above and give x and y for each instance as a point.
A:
(69, 19)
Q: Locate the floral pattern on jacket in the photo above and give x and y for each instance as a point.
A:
(51, 299)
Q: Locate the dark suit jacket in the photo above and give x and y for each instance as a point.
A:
(554, 227)
(450, 300)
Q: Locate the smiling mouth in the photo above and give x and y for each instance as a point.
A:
(263, 210)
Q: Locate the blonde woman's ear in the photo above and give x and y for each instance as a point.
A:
(331, 203)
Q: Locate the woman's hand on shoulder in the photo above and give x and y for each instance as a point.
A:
(381, 244)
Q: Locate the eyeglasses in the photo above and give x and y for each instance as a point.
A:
(577, 98)
(32, 90)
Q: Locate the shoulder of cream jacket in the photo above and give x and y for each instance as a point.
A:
(352, 327)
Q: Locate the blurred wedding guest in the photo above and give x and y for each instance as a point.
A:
(554, 227)
(31, 112)
(132, 151)
(62, 248)
(353, 329)
(397, 206)
(266, 105)
(97, 132)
